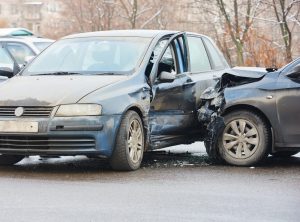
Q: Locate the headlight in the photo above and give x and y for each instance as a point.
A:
(79, 110)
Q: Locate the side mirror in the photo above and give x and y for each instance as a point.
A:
(167, 76)
(295, 73)
(6, 72)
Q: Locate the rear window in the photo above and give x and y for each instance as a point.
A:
(198, 56)
(218, 60)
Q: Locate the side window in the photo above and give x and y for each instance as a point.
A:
(5, 60)
(217, 59)
(19, 51)
(167, 62)
(198, 56)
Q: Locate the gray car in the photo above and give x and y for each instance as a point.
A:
(113, 94)
(253, 113)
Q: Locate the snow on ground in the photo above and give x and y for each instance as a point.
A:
(197, 149)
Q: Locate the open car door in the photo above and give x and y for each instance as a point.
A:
(172, 107)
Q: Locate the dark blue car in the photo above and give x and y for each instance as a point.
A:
(114, 94)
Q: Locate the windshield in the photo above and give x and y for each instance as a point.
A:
(42, 45)
(97, 55)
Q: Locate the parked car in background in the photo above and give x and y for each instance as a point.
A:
(16, 51)
(261, 115)
(13, 32)
(113, 94)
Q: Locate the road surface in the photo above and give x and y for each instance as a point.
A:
(169, 187)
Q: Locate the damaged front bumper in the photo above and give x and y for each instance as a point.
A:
(209, 115)
(212, 107)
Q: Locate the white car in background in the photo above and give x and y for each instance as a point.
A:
(16, 50)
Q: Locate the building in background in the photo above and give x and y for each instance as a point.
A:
(35, 15)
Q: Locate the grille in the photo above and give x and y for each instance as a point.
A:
(28, 111)
(37, 142)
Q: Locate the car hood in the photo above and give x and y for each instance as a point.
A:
(248, 72)
(51, 90)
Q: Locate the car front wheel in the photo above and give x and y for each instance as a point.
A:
(9, 159)
(246, 139)
(129, 149)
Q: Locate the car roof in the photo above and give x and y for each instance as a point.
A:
(123, 33)
(24, 40)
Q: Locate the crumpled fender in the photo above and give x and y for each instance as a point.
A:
(213, 103)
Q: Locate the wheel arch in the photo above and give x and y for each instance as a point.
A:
(137, 110)
(247, 108)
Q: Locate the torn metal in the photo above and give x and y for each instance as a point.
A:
(213, 103)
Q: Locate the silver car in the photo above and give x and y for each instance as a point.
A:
(16, 51)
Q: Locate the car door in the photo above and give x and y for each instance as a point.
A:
(288, 108)
(171, 109)
(207, 64)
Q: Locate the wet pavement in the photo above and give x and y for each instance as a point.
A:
(178, 186)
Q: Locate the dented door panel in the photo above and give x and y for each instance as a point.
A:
(171, 110)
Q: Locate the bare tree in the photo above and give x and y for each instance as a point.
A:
(140, 13)
(282, 11)
(3, 23)
(90, 15)
(238, 24)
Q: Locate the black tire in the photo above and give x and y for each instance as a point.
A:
(6, 160)
(249, 149)
(214, 158)
(284, 154)
(121, 158)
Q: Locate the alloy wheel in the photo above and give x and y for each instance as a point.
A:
(240, 138)
(135, 141)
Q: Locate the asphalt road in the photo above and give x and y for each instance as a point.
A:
(169, 187)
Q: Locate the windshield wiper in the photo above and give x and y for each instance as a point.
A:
(108, 73)
(60, 73)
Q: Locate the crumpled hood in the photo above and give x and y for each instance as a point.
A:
(248, 72)
(51, 90)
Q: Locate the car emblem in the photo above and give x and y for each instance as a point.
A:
(19, 111)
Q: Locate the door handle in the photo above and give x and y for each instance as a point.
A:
(188, 83)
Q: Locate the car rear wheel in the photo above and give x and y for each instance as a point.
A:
(284, 153)
(129, 149)
(245, 140)
(6, 160)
